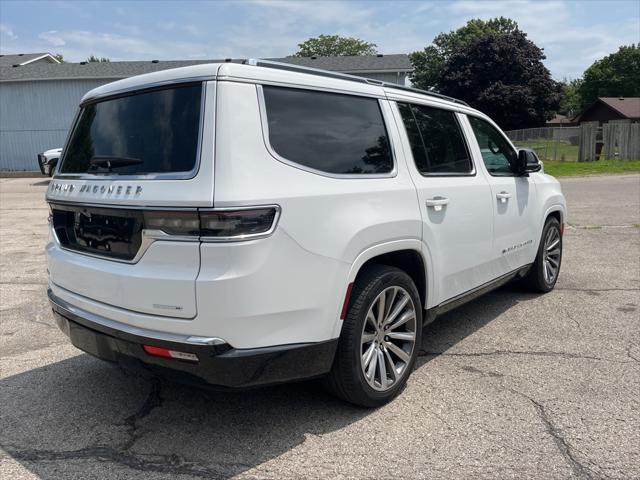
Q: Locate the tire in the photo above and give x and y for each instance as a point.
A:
(363, 334)
(538, 278)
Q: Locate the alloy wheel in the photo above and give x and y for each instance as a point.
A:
(388, 338)
(552, 252)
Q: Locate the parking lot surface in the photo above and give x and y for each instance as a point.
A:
(512, 385)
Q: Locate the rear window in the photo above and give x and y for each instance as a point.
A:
(154, 132)
(329, 132)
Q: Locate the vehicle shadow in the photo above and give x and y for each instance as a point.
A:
(69, 418)
(454, 326)
(41, 183)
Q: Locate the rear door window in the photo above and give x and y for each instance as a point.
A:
(153, 132)
(436, 140)
(328, 132)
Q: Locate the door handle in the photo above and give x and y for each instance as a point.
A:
(503, 196)
(437, 202)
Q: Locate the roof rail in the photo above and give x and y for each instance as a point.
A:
(344, 76)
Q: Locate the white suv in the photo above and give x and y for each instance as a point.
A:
(250, 223)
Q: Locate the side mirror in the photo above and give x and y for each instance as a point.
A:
(528, 162)
(52, 166)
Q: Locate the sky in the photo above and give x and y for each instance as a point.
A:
(573, 33)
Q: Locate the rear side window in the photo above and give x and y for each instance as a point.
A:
(436, 140)
(328, 132)
(152, 132)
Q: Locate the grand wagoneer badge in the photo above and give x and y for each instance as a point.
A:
(58, 187)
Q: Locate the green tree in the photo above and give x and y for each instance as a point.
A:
(93, 58)
(616, 75)
(334, 45)
(59, 57)
(428, 62)
(571, 103)
(503, 76)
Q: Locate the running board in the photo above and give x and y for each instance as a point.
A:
(458, 300)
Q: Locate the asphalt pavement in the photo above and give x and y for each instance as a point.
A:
(512, 385)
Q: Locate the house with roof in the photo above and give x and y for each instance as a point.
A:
(39, 95)
(605, 109)
(20, 59)
(560, 120)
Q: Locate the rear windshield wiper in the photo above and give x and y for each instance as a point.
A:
(111, 161)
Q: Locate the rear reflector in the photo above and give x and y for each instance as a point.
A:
(345, 305)
(173, 354)
(562, 229)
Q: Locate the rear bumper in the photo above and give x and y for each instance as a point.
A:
(219, 363)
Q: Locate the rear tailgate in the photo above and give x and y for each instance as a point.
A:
(127, 155)
(162, 282)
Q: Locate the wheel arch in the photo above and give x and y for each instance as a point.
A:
(554, 213)
(557, 210)
(408, 255)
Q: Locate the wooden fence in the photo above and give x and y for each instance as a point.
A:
(618, 139)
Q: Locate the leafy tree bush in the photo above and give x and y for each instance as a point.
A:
(428, 62)
(502, 74)
(93, 58)
(334, 45)
(616, 75)
(571, 102)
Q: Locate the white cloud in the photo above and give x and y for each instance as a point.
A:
(7, 31)
(78, 44)
(314, 13)
(192, 29)
(164, 25)
(53, 38)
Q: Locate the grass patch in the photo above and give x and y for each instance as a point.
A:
(562, 169)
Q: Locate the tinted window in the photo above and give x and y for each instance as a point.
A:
(152, 132)
(437, 143)
(498, 155)
(329, 132)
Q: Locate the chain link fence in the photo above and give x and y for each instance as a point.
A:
(550, 143)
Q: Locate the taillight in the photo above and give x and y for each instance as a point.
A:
(214, 225)
(173, 223)
(236, 224)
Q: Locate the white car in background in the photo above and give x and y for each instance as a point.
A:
(48, 160)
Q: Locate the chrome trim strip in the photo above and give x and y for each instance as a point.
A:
(117, 206)
(265, 137)
(130, 329)
(151, 176)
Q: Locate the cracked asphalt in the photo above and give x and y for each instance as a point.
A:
(512, 385)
